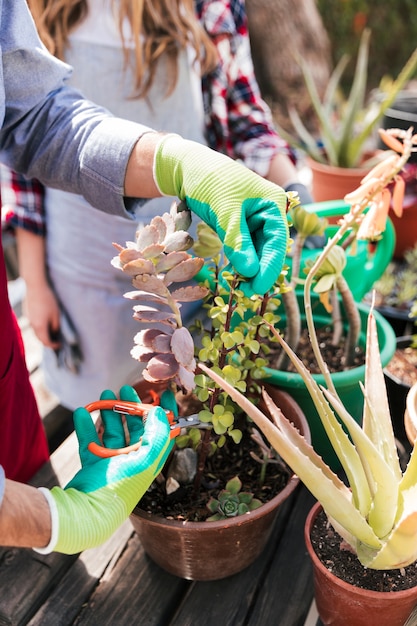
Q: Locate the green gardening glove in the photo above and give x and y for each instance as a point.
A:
(247, 212)
(106, 490)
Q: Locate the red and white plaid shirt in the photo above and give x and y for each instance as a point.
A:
(237, 120)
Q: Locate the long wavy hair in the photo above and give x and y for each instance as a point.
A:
(159, 27)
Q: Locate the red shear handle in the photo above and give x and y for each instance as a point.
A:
(107, 453)
(131, 408)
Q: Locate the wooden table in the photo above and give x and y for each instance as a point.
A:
(117, 584)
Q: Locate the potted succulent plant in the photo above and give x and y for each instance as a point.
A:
(224, 472)
(367, 526)
(344, 150)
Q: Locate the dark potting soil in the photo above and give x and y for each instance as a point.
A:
(343, 563)
(333, 355)
(403, 365)
(229, 461)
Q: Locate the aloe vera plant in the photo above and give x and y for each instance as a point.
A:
(346, 125)
(376, 511)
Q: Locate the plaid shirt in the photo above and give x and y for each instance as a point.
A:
(237, 121)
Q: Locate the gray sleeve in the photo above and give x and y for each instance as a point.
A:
(49, 131)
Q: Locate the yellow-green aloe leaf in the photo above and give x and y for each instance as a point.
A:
(400, 548)
(383, 481)
(329, 490)
(343, 447)
(377, 422)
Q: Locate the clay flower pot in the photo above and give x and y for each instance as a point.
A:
(410, 417)
(215, 550)
(333, 183)
(342, 604)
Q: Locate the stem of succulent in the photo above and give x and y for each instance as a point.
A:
(373, 184)
(352, 314)
(205, 444)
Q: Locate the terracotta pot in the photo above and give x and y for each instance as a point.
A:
(397, 391)
(410, 417)
(215, 550)
(342, 604)
(333, 183)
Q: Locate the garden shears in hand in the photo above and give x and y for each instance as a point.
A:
(141, 409)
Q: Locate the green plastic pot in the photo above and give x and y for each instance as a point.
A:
(365, 263)
(346, 382)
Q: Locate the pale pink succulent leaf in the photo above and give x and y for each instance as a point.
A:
(145, 296)
(182, 346)
(169, 223)
(180, 240)
(190, 293)
(146, 236)
(162, 343)
(147, 336)
(184, 271)
(142, 353)
(139, 266)
(162, 367)
(152, 317)
(185, 378)
(151, 284)
(168, 261)
(152, 251)
(160, 226)
(129, 254)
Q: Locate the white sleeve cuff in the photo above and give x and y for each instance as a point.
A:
(54, 522)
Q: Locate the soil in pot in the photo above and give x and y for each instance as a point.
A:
(343, 563)
(232, 460)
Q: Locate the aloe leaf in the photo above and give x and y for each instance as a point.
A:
(310, 143)
(340, 442)
(327, 131)
(384, 483)
(334, 85)
(334, 496)
(355, 102)
(400, 547)
(377, 423)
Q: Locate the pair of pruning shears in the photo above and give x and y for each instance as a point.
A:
(141, 409)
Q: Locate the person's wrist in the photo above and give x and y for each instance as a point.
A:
(54, 523)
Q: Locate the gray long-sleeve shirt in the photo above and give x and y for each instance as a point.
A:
(49, 131)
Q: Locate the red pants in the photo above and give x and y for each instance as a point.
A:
(23, 444)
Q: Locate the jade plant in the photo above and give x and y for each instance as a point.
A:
(375, 511)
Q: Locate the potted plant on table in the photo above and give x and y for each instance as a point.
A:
(362, 533)
(223, 472)
(345, 148)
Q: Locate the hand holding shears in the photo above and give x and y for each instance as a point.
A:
(112, 409)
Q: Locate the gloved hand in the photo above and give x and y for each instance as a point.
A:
(247, 212)
(105, 491)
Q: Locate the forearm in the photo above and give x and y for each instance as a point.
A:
(139, 181)
(31, 254)
(25, 519)
(282, 171)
